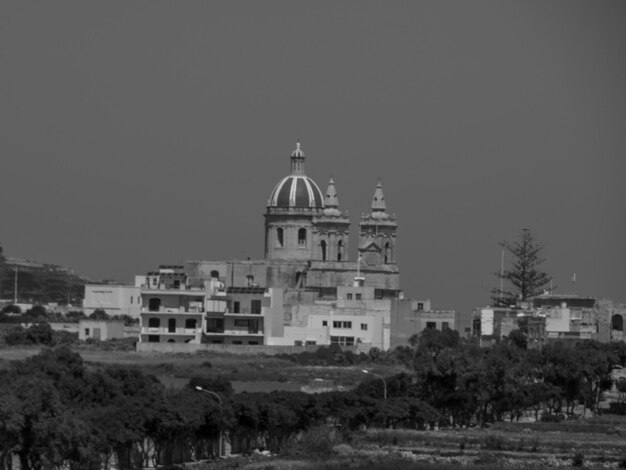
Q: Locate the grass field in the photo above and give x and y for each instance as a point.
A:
(243, 370)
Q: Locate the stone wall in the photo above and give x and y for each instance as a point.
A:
(188, 348)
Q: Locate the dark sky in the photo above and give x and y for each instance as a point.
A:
(134, 134)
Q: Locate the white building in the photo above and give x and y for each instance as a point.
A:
(113, 299)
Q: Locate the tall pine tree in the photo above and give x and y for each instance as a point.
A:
(523, 280)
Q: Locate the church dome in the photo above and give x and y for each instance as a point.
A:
(296, 190)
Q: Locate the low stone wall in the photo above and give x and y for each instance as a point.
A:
(189, 348)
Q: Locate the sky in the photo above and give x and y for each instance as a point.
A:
(134, 134)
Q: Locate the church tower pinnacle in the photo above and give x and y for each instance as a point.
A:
(378, 202)
(377, 233)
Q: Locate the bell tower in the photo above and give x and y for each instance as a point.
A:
(332, 229)
(377, 233)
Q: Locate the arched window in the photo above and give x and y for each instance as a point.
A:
(617, 322)
(323, 247)
(215, 274)
(302, 237)
(250, 280)
(340, 250)
(279, 236)
(387, 253)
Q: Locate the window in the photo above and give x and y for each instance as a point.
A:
(279, 236)
(431, 325)
(324, 323)
(131, 299)
(342, 340)
(236, 307)
(340, 250)
(154, 304)
(154, 323)
(364, 326)
(86, 331)
(217, 341)
(237, 342)
(349, 296)
(241, 323)
(250, 280)
(253, 326)
(358, 296)
(310, 343)
(297, 342)
(153, 338)
(387, 253)
(342, 324)
(215, 325)
(323, 247)
(190, 323)
(302, 237)
(255, 306)
(171, 325)
(420, 305)
(253, 342)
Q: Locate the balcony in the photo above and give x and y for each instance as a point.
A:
(191, 310)
(218, 332)
(244, 312)
(173, 290)
(146, 330)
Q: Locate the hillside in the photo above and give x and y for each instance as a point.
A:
(39, 282)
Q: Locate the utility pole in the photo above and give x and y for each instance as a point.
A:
(15, 287)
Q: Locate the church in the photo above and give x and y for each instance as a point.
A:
(307, 242)
(307, 290)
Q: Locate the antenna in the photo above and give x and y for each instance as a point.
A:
(15, 287)
(501, 274)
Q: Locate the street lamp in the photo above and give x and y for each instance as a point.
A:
(219, 400)
(365, 371)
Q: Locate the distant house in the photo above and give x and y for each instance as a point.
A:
(114, 299)
(100, 329)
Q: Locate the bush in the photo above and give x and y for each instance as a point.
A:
(317, 442)
(578, 460)
(617, 408)
(552, 418)
(40, 333)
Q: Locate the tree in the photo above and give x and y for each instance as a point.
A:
(99, 314)
(525, 279)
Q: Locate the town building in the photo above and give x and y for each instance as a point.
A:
(172, 308)
(549, 317)
(114, 299)
(101, 330)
